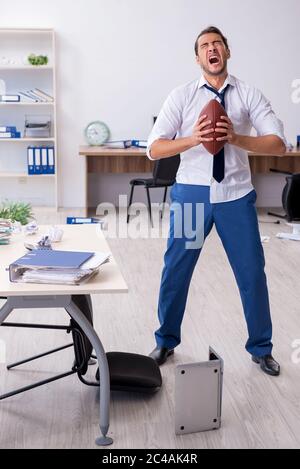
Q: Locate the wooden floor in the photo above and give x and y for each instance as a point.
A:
(258, 411)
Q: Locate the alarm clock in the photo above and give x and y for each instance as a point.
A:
(97, 133)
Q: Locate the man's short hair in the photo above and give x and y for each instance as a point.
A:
(211, 29)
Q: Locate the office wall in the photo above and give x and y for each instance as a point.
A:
(118, 60)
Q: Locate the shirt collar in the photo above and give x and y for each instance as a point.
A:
(230, 80)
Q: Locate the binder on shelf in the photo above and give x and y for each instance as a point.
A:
(37, 160)
(35, 96)
(10, 98)
(51, 160)
(44, 151)
(28, 98)
(30, 160)
(8, 129)
(10, 134)
(43, 95)
(40, 160)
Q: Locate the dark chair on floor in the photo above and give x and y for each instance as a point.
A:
(128, 372)
(164, 176)
(81, 345)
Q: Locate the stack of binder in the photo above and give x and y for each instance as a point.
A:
(41, 160)
(57, 267)
(36, 96)
(9, 132)
(5, 232)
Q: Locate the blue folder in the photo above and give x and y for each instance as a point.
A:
(83, 221)
(30, 160)
(139, 143)
(51, 160)
(52, 259)
(44, 160)
(37, 160)
(6, 128)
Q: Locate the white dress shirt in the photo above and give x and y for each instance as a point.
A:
(246, 106)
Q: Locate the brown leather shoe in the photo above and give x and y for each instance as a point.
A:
(267, 364)
(161, 354)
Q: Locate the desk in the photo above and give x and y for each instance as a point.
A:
(109, 280)
(116, 161)
(261, 163)
(134, 160)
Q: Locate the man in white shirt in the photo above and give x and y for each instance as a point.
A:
(222, 183)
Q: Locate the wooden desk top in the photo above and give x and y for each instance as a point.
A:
(105, 151)
(76, 237)
(287, 154)
(134, 160)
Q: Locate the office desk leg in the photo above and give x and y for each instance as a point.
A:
(88, 329)
(5, 311)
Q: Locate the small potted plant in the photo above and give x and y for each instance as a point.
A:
(16, 212)
(37, 60)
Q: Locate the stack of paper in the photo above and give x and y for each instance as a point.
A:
(36, 96)
(118, 144)
(126, 144)
(65, 273)
(5, 232)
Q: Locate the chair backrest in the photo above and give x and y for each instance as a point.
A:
(291, 198)
(166, 169)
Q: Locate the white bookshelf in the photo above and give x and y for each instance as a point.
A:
(15, 46)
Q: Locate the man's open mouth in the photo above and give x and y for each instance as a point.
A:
(214, 59)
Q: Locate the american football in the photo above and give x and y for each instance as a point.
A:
(213, 110)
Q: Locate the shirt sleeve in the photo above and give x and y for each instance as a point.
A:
(262, 116)
(168, 121)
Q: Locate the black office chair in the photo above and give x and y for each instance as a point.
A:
(82, 347)
(128, 372)
(164, 175)
(290, 197)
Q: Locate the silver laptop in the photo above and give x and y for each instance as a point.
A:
(198, 395)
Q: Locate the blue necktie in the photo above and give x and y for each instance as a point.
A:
(219, 158)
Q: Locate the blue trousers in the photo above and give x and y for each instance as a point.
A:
(237, 225)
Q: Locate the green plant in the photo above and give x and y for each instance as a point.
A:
(16, 211)
(37, 59)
